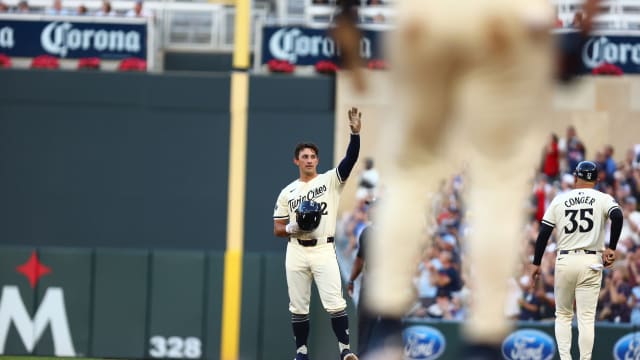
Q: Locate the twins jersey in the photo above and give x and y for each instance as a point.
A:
(324, 189)
(579, 217)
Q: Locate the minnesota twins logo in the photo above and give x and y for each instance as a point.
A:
(310, 195)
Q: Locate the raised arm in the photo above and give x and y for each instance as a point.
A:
(353, 150)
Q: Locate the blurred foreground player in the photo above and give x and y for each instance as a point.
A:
(480, 70)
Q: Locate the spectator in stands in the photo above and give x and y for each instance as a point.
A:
(633, 263)
(634, 303)
(572, 149)
(106, 9)
(443, 308)
(558, 23)
(609, 164)
(613, 297)
(379, 17)
(23, 7)
(447, 278)
(635, 179)
(3, 7)
(368, 181)
(138, 10)
(425, 279)
(358, 220)
(81, 10)
(551, 159)
(629, 162)
(577, 20)
(57, 9)
(529, 305)
(539, 194)
(631, 223)
(601, 161)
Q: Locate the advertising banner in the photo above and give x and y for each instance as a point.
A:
(622, 51)
(306, 46)
(302, 45)
(73, 37)
(433, 339)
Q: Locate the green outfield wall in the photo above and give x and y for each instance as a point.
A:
(120, 181)
(136, 160)
(134, 304)
(139, 304)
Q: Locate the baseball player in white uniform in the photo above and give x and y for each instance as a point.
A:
(579, 217)
(311, 254)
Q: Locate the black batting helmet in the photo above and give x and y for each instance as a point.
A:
(587, 171)
(308, 215)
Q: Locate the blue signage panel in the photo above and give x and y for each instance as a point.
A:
(423, 343)
(627, 347)
(306, 46)
(72, 39)
(528, 344)
(622, 51)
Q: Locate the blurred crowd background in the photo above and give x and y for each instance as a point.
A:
(441, 276)
(57, 7)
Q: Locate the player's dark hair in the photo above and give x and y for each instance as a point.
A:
(302, 146)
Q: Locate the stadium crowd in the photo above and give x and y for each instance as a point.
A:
(57, 8)
(441, 275)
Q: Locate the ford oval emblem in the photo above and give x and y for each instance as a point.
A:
(528, 344)
(627, 347)
(423, 343)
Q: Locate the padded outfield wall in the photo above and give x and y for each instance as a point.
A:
(118, 182)
(113, 188)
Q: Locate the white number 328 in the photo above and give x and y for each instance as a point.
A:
(175, 347)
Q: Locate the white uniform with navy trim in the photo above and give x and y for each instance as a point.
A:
(579, 217)
(319, 262)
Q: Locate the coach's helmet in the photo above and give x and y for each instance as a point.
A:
(587, 171)
(308, 215)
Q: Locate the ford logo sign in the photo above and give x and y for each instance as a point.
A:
(627, 347)
(423, 343)
(528, 344)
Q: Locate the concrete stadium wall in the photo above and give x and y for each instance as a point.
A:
(604, 110)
